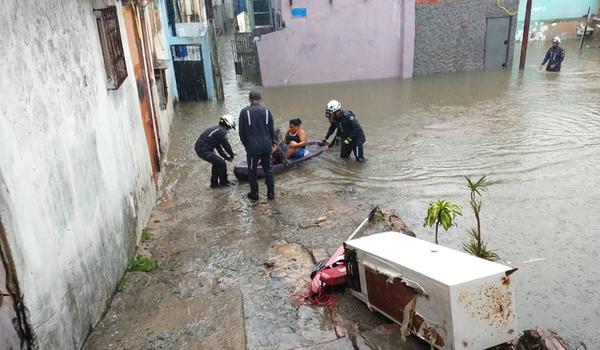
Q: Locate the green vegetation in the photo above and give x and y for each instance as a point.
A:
(378, 216)
(476, 245)
(121, 284)
(143, 263)
(146, 235)
(442, 212)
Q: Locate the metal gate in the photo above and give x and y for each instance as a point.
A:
(189, 72)
(245, 59)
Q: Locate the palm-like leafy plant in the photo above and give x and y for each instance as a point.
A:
(476, 244)
(442, 212)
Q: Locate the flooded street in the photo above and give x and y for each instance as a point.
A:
(536, 135)
(227, 266)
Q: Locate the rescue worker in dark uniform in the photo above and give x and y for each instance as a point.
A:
(213, 138)
(554, 56)
(349, 132)
(257, 133)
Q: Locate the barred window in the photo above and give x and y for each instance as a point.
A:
(112, 47)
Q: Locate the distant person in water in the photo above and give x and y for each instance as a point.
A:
(554, 56)
(295, 140)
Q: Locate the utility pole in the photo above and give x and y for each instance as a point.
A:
(212, 32)
(525, 35)
(587, 22)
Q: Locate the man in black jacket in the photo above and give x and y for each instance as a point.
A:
(554, 56)
(349, 132)
(213, 138)
(257, 134)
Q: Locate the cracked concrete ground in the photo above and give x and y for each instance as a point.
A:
(227, 267)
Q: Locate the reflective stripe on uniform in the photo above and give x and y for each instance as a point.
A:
(249, 120)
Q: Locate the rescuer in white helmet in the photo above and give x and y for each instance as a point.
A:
(554, 56)
(215, 138)
(349, 132)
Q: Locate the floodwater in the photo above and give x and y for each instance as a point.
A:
(536, 135)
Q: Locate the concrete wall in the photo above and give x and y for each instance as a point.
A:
(75, 176)
(450, 35)
(339, 41)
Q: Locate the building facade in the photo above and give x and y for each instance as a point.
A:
(329, 41)
(188, 49)
(85, 118)
(463, 35)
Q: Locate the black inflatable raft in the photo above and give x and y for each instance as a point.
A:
(313, 149)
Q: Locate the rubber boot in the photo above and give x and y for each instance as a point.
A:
(270, 194)
(253, 194)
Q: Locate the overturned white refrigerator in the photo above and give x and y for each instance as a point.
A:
(451, 299)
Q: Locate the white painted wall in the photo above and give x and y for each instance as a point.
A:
(75, 175)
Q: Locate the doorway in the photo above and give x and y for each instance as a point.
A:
(497, 38)
(189, 72)
(14, 330)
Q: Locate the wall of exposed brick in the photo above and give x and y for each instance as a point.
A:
(450, 34)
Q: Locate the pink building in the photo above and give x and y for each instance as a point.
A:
(339, 40)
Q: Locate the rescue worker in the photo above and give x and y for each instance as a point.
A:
(349, 132)
(257, 133)
(213, 138)
(554, 56)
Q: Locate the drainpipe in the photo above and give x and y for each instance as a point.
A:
(212, 32)
(525, 35)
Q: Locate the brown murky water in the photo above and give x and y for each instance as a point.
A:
(536, 135)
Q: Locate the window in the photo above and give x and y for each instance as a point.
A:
(112, 47)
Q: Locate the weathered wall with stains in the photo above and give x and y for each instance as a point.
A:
(75, 176)
(339, 41)
(450, 35)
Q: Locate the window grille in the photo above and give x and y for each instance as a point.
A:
(112, 46)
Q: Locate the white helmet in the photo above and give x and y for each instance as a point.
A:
(332, 107)
(556, 40)
(228, 121)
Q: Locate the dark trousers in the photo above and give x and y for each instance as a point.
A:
(219, 168)
(347, 149)
(265, 162)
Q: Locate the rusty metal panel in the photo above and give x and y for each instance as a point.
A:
(388, 294)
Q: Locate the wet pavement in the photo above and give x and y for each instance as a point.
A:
(535, 135)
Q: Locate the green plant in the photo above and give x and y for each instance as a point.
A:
(143, 263)
(121, 284)
(378, 216)
(476, 245)
(146, 235)
(442, 212)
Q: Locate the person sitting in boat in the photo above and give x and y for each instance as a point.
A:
(295, 140)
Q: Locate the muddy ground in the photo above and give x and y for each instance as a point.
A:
(227, 267)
